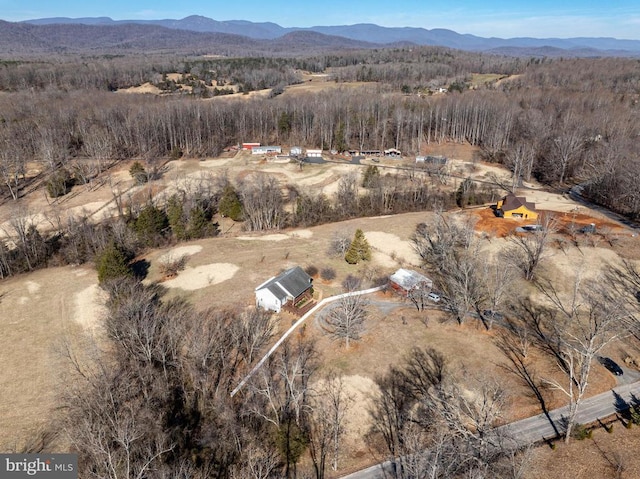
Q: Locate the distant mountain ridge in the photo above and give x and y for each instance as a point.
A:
(369, 33)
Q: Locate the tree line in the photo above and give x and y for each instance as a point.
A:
(548, 123)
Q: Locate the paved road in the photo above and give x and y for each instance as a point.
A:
(538, 428)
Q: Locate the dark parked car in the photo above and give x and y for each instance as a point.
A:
(611, 365)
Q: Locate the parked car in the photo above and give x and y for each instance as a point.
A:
(435, 297)
(611, 365)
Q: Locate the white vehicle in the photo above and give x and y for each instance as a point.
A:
(434, 297)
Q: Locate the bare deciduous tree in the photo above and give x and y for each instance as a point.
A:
(347, 318)
(263, 203)
(580, 325)
(328, 407)
(527, 249)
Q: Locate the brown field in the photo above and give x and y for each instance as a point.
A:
(42, 308)
(599, 457)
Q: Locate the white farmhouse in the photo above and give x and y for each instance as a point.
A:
(292, 286)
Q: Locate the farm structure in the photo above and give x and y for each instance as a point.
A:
(290, 288)
(404, 281)
(265, 150)
(393, 153)
(249, 146)
(314, 154)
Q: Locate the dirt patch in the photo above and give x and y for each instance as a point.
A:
(202, 276)
(144, 88)
(393, 250)
(489, 223)
(179, 252)
(90, 307)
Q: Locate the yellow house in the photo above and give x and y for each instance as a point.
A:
(512, 206)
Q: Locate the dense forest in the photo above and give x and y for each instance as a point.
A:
(562, 121)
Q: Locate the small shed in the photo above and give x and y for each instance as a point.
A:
(295, 151)
(314, 154)
(291, 286)
(249, 146)
(405, 280)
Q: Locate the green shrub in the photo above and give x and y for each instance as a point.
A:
(200, 225)
(138, 173)
(581, 432)
(230, 205)
(176, 217)
(635, 415)
(112, 263)
(59, 183)
(151, 224)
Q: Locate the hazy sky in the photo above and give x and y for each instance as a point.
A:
(498, 18)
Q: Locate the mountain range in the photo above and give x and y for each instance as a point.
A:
(51, 32)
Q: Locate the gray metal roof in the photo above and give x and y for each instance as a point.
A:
(293, 282)
(409, 279)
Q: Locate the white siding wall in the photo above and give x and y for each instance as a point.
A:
(266, 300)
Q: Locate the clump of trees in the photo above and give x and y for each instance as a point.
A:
(427, 427)
(547, 123)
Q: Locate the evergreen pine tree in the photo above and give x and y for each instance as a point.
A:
(112, 263)
(150, 225)
(176, 218)
(359, 249)
(230, 205)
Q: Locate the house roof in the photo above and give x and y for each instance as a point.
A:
(513, 202)
(293, 282)
(408, 279)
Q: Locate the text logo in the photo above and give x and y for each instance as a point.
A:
(47, 466)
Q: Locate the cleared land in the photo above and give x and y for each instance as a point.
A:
(41, 308)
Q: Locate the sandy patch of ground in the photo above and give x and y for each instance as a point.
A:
(272, 237)
(144, 88)
(39, 220)
(90, 209)
(305, 234)
(553, 201)
(90, 307)
(396, 249)
(32, 287)
(175, 253)
(202, 276)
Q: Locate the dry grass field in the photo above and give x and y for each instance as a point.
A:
(41, 309)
